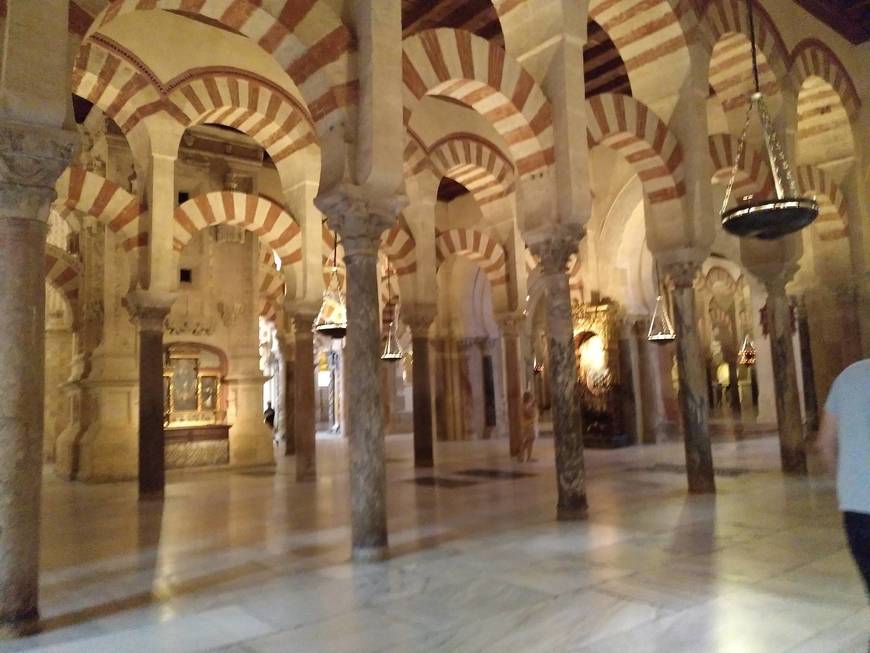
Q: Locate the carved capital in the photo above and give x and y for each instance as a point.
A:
(358, 217)
(303, 323)
(682, 274)
(32, 157)
(149, 310)
(419, 321)
(555, 248)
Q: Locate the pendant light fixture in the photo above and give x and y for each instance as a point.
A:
(331, 321)
(746, 355)
(661, 330)
(392, 349)
(783, 214)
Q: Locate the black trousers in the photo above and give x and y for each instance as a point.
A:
(858, 533)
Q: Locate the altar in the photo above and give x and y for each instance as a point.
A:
(194, 421)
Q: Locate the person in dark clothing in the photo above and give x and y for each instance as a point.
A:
(269, 415)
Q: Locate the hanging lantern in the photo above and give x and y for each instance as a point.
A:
(537, 365)
(783, 214)
(661, 331)
(331, 321)
(392, 349)
(746, 355)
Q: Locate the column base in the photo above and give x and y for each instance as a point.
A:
(794, 463)
(576, 510)
(702, 486)
(21, 626)
(364, 554)
(423, 463)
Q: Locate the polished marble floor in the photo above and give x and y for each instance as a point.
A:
(250, 561)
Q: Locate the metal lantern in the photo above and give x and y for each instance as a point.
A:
(783, 214)
(661, 330)
(331, 320)
(392, 349)
(746, 355)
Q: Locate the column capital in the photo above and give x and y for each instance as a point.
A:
(149, 309)
(511, 324)
(682, 273)
(555, 245)
(775, 283)
(359, 217)
(419, 322)
(32, 157)
(303, 322)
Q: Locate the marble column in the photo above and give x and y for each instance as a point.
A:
(149, 311)
(562, 371)
(290, 407)
(811, 402)
(422, 390)
(32, 159)
(510, 333)
(304, 422)
(693, 380)
(360, 220)
(788, 410)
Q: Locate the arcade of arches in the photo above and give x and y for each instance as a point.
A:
(180, 180)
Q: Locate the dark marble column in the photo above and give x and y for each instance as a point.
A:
(360, 221)
(811, 402)
(788, 410)
(422, 391)
(304, 418)
(32, 159)
(149, 311)
(510, 333)
(562, 371)
(694, 407)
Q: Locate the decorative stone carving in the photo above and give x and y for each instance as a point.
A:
(358, 218)
(149, 310)
(230, 312)
(555, 250)
(32, 157)
(682, 274)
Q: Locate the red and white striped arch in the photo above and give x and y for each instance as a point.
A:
(63, 273)
(81, 190)
(306, 37)
(255, 106)
(270, 283)
(629, 127)
(812, 58)
(475, 163)
(753, 177)
(477, 247)
(477, 73)
(724, 28)
(398, 245)
(261, 216)
(833, 220)
(416, 155)
(115, 85)
(650, 36)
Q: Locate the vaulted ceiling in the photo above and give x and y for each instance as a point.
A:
(851, 18)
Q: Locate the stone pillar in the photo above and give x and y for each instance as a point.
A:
(149, 311)
(360, 220)
(693, 380)
(562, 371)
(32, 158)
(788, 410)
(288, 379)
(422, 389)
(304, 422)
(510, 333)
(811, 402)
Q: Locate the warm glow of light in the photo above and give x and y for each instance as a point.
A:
(592, 354)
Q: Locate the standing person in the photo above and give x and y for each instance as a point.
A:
(269, 415)
(530, 427)
(844, 443)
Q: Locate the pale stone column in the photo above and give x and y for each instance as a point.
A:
(693, 379)
(288, 393)
(360, 220)
(31, 159)
(304, 422)
(788, 410)
(562, 364)
(811, 402)
(419, 323)
(149, 310)
(511, 326)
